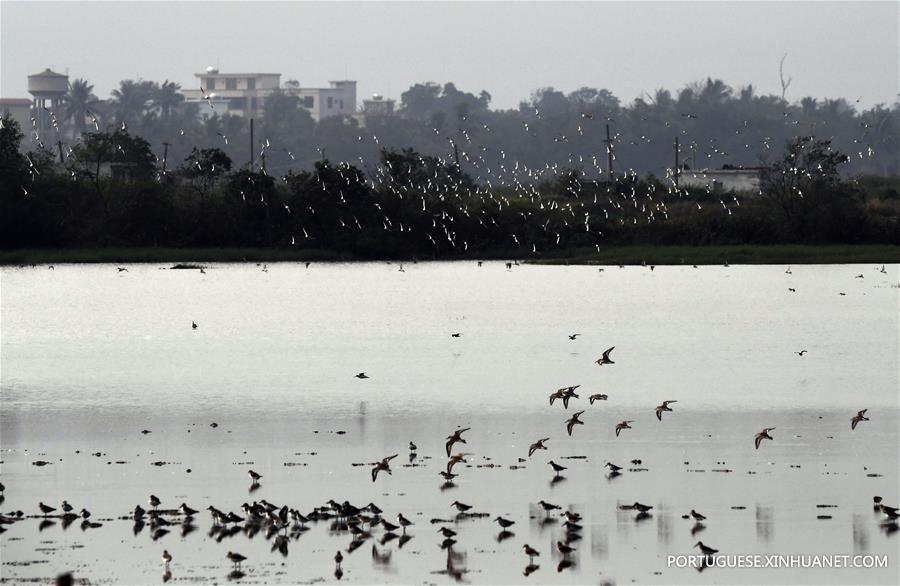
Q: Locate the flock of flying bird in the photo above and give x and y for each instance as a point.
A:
(447, 200)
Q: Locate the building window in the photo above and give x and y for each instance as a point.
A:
(230, 83)
(210, 83)
(253, 104)
(341, 105)
(251, 83)
(308, 102)
(330, 102)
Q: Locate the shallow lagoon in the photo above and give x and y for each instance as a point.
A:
(91, 356)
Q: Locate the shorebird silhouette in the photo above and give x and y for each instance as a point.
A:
(556, 467)
(504, 523)
(362, 375)
(254, 476)
(389, 527)
(461, 507)
(764, 434)
(568, 394)
(166, 557)
(565, 394)
(613, 468)
(235, 558)
(697, 516)
(383, 465)
(573, 336)
(571, 516)
(538, 445)
(605, 358)
(861, 416)
(564, 549)
(548, 506)
(573, 421)
(801, 352)
(572, 529)
(454, 460)
(705, 548)
(623, 425)
(530, 552)
(456, 437)
(46, 509)
(598, 397)
(194, 325)
(456, 335)
(663, 407)
(891, 512)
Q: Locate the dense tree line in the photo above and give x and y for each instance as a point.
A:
(717, 125)
(417, 205)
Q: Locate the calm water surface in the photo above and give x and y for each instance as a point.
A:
(92, 356)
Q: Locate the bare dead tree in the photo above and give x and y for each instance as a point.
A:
(784, 83)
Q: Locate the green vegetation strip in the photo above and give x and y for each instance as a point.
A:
(628, 255)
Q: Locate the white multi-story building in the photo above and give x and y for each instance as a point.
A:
(740, 179)
(244, 94)
(378, 106)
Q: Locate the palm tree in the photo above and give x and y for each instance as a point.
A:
(166, 97)
(715, 92)
(131, 100)
(79, 102)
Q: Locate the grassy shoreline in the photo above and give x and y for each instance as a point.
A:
(629, 255)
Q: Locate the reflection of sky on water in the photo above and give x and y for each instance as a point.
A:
(90, 359)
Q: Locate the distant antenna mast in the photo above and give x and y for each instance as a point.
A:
(677, 165)
(252, 151)
(784, 83)
(609, 155)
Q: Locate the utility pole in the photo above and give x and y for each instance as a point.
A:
(609, 155)
(677, 166)
(165, 156)
(252, 152)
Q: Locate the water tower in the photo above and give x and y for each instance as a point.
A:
(49, 90)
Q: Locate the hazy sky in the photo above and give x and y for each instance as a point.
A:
(835, 49)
